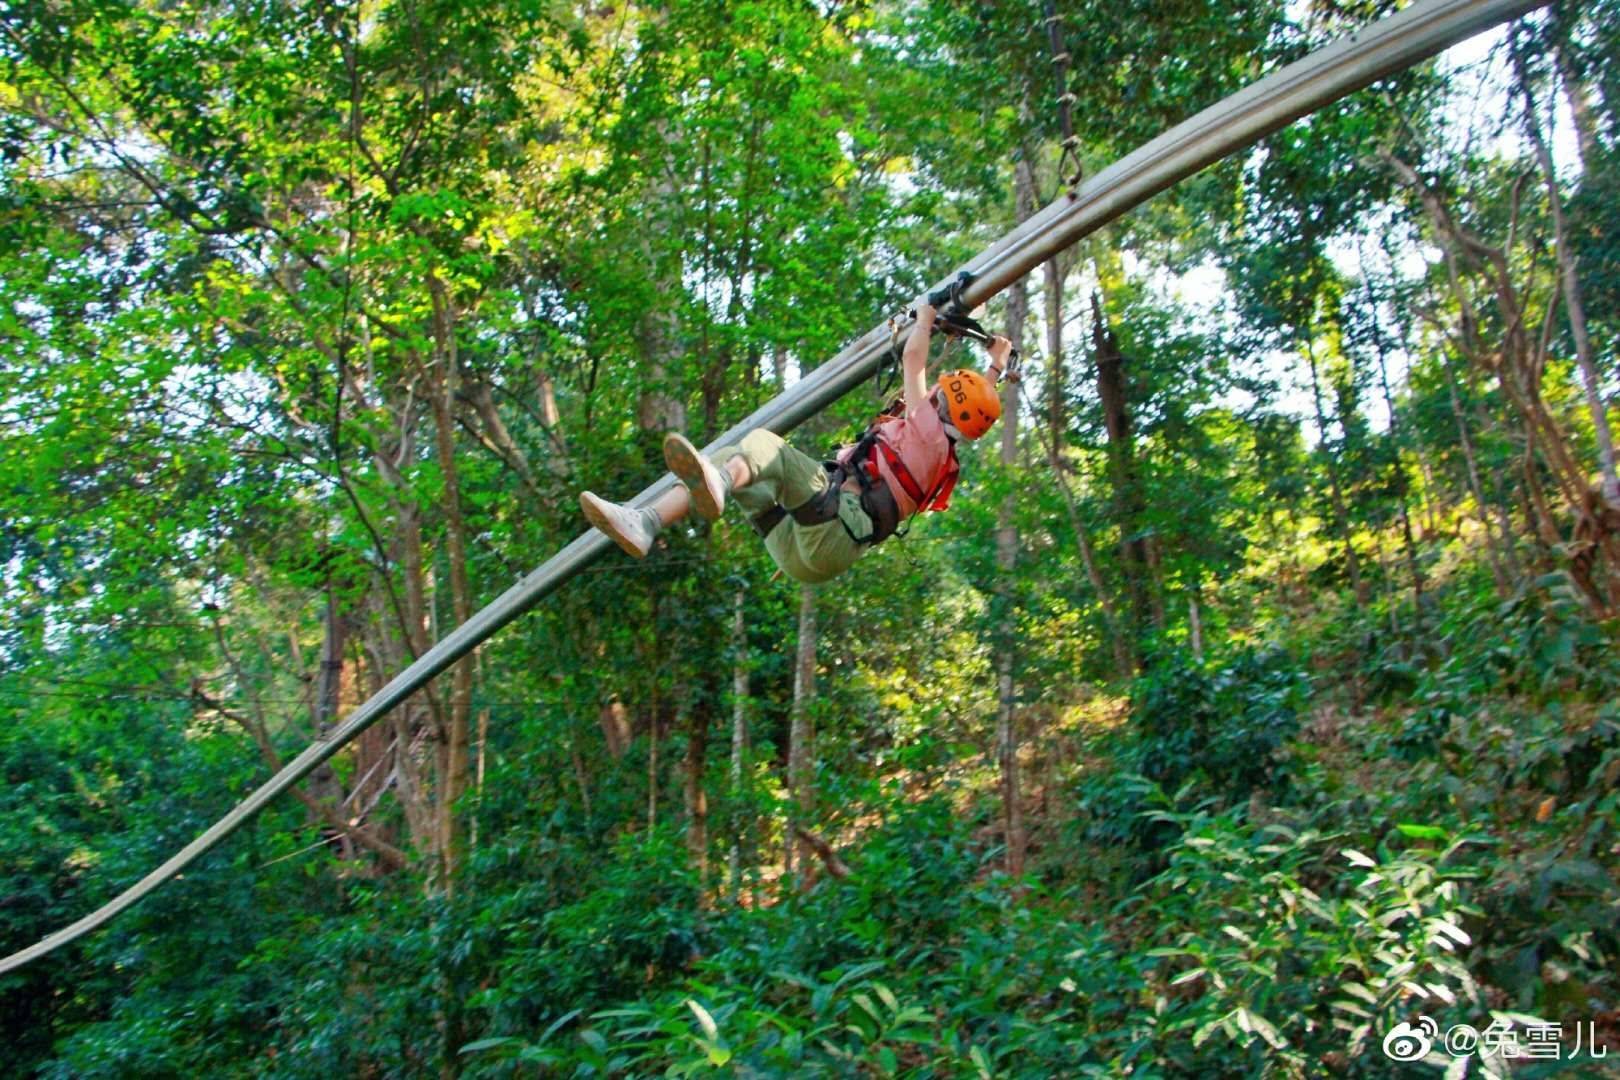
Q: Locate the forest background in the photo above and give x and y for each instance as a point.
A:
(1257, 693)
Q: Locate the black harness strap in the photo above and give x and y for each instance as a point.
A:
(817, 511)
(766, 521)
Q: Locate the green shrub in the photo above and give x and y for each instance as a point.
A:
(1279, 947)
(1203, 731)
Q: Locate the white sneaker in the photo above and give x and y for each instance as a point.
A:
(698, 473)
(624, 525)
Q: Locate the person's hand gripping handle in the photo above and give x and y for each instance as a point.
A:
(1001, 351)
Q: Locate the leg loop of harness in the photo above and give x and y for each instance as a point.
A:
(824, 507)
(818, 510)
(766, 521)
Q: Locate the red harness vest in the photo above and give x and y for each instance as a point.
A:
(937, 497)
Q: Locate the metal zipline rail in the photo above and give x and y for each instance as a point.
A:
(1380, 49)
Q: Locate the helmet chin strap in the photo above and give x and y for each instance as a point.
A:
(951, 431)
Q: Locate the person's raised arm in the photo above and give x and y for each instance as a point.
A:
(1000, 349)
(914, 361)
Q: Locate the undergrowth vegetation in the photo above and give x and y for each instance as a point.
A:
(1261, 872)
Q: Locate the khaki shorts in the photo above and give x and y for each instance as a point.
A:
(787, 478)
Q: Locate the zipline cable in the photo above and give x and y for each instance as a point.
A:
(1387, 46)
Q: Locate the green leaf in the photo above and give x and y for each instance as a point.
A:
(1360, 991)
(1267, 1031)
(1203, 1033)
(705, 1021)
(557, 1024)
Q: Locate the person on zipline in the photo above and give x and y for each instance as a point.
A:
(818, 519)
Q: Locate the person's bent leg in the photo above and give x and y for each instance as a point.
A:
(788, 477)
(635, 528)
(746, 490)
(738, 474)
(709, 481)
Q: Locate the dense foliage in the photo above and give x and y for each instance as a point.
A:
(1257, 697)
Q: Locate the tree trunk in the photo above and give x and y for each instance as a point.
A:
(779, 366)
(1053, 275)
(1124, 663)
(823, 851)
(453, 778)
(1195, 619)
(416, 793)
(492, 432)
(739, 736)
(1579, 97)
(324, 787)
(1430, 486)
(614, 720)
(652, 771)
(1541, 515)
(1397, 470)
(478, 775)
(1006, 617)
(1127, 494)
(1124, 660)
(801, 751)
(577, 761)
(696, 798)
(1504, 584)
(1341, 514)
(421, 715)
(1156, 583)
(657, 409)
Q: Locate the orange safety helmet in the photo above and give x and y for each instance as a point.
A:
(973, 402)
